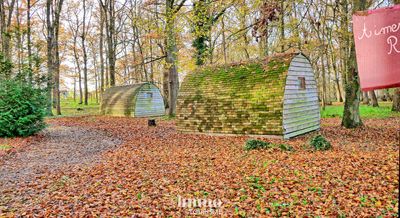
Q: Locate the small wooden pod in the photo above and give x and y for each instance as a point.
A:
(137, 100)
(277, 97)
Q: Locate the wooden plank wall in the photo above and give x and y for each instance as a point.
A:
(149, 102)
(301, 112)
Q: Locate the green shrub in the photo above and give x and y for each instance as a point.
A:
(319, 143)
(256, 144)
(285, 147)
(22, 109)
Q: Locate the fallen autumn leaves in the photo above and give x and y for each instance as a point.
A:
(153, 166)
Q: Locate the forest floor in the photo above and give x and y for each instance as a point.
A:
(131, 169)
(58, 149)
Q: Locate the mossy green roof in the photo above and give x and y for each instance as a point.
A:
(120, 100)
(244, 98)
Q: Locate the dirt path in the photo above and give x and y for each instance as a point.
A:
(61, 148)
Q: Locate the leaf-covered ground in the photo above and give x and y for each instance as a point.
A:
(58, 149)
(153, 166)
(12, 145)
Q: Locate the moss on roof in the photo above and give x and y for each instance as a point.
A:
(245, 98)
(119, 100)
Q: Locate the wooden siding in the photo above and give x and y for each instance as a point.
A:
(131, 101)
(149, 102)
(241, 99)
(301, 112)
(251, 98)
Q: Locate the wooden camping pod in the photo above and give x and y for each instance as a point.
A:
(278, 97)
(137, 100)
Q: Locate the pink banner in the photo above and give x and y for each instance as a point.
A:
(377, 41)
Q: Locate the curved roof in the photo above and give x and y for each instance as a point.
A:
(239, 98)
(120, 99)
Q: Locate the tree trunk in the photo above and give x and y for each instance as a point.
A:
(324, 94)
(19, 45)
(96, 76)
(351, 113)
(109, 18)
(74, 89)
(224, 40)
(29, 39)
(111, 43)
(266, 43)
(101, 51)
(144, 76)
(166, 87)
(5, 23)
(53, 13)
(282, 26)
(57, 76)
(365, 98)
(374, 99)
(384, 96)
(339, 92)
(57, 15)
(396, 100)
(172, 57)
(78, 66)
(50, 64)
(335, 72)
(85, 58)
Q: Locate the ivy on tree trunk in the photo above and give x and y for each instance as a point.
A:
(351, 113)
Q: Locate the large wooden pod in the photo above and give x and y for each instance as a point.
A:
(275, 97)
(137, 100)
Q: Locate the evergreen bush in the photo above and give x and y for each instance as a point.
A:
(22, 109)
(319, 143)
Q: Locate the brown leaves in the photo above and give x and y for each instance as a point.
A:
(12, 145)
(154, 165)
(269, 11)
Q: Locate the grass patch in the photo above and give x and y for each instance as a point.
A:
(5, 147)
(69, 102)
(168, 117)
(383, 111)
(69, 107)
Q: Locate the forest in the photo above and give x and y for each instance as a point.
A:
(84, 47)
(62, 154)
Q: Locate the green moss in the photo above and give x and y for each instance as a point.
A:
(235, 99)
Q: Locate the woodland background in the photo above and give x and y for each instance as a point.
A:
(63, 53)
(82, 47)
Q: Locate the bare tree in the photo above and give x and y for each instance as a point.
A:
(29, 40)
(101, 42)
(108, 7)
(84, 49)
(6, 12)
(74, 24)
(53, 12)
